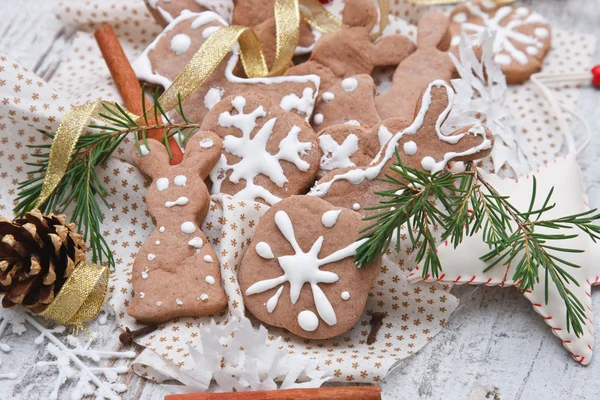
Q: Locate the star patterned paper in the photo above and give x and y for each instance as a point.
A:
(463, 265)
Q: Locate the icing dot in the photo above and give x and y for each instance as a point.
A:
(208, 258)
(212, 97)
(210, 280)
(264, 250)
(206, 143)
(209, 31)
(188, 227)
(180, 180)
(356, 206)
(161, 229)
(180, 43)
(159, 303)
(144, 150)
(349, 84)
(162, 184)
(542, 33)
(345, 295)
(179, 302)
(203, 297)
(502, 59)
(410, 148)
(352, 122)
(318, 119)
(532, 50)
(157, 242)
(428, 163)
(522, 12)
(196, 242)
(151, 257)
(181, 201)
(329, 218)
(459, 18)
(328, 96)
(142, 295)
(455, 41)
(308, 320)
(145, 274)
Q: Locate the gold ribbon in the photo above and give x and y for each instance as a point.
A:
(81, 297)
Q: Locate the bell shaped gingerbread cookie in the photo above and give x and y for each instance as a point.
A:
(420, 145)
(164, 59)
(350, 51)
(176, 273)
(299, 271)
(430, 62)
(268, 153)
(522, 36)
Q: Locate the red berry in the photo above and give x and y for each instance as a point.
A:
(325, 1)
(596, 74)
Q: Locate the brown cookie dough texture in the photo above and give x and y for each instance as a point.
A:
(420, 145)
(430, 62)
(165, 11)
(176, 273)
(268, 153)
(164, 59)
(522, 36)
(299, 271)
(350, 101)
(350, 51)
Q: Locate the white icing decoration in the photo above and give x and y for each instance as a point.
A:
(142, 295)
(196, 242)
(337, 155)
(208, 258)
(213, 96)
(179, 302)
(542, 33)
(356, 206)
(159, 303)
(328, 96)
(161, 229)
(145, 273)
(505, 35)
(532, 50)
(144, 150)
(349, 84)
(303, 104)
(181, 201)
(455, 41)
(330, 217)
(210, 280)
(352, 122)
(428, 163)
(460, 17)
(162, 184)
(272, 302)
(188, 227)
(308, 321)
(180, 43)
(203, 297)
(206, 143)
(356, 176)
(304, 267)
(410, 148)
(264, 250)
(254, 158)
(522, 12)
(209, 31)
(345, 295)
(318, 119)
(180, 180)
(502, 59)
(157, 242)
(151, 257)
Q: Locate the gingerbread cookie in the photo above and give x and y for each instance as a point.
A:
(420, 145)
(349, 101)
(268, 153)
(350, 51)
(299, 271)
(176, 273)
(163, 60)
(430, 62)
(347, 145)
(522, 36)
(165, 11)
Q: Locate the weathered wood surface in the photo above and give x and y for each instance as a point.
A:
(495, 346)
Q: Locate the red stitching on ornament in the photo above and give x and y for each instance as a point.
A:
(441, 277)
(537, 305)
(457, 279)
(472, 279)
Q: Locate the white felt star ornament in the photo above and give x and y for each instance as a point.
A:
(463, 264)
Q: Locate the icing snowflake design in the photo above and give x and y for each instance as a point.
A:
(300, 268)
(255, 159)
(506, 35)
(337, 155)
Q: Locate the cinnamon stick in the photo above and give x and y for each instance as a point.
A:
(326, 393)
(128, 85)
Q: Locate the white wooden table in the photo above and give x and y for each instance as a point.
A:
(495, 346)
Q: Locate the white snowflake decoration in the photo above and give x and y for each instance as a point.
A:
(240, 358)
(255, 159)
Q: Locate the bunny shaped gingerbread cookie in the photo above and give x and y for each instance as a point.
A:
(420, 145)
(350, 51)
(176, 273)
(430, 62)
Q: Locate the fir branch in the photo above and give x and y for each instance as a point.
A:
(81, 187)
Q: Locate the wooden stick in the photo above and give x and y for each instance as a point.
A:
(326, 393)
(128, 85)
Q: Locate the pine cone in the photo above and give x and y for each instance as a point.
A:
(37, 255)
